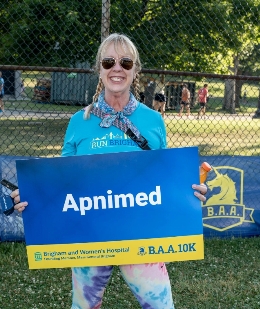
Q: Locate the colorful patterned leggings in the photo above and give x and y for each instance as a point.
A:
(149, 283)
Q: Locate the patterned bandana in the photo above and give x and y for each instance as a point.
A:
(111, 114)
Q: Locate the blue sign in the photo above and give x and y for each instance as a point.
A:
(112, 198)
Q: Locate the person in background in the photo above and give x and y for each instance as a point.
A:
(160, 102)
(22, 88)
(142, 97)
(118, 66)
(1, 93)
(149, 92)
(185, 100)
(203, 98)
(245, 97)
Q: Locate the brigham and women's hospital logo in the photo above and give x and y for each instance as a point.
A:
(224, 208)
(38, 256)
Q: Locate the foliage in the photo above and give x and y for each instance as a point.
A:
(198, 35)
(49, 33)
(250, 63)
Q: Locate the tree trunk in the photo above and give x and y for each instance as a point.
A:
(105, 22)
(257, 112)
(239, 84)
(230, 95)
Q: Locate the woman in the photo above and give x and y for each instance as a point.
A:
(203, 94)
(159, 103)
(185, 100)
(118, 65)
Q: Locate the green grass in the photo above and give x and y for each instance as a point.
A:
(219, 136)
(32, 137)
(40, 107)
(228, 278)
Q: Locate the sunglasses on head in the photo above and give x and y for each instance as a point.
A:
(109, 62)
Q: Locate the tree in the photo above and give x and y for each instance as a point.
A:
(49, 33)
(200, 36)
(244, 24)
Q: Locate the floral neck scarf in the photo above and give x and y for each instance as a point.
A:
(111, 114)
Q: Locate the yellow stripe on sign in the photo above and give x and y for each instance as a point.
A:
(139, 251)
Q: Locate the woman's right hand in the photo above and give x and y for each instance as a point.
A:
(19, 206)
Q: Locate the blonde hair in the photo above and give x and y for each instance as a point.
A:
(122, 41)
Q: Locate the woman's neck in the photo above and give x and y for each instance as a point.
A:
(117, 101)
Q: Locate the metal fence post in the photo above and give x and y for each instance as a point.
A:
(105, 20)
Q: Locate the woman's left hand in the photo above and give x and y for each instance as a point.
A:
(200, 192)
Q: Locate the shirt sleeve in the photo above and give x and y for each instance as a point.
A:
(163, 136)
(69, 145)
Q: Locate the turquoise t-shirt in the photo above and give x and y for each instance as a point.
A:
(87, 137)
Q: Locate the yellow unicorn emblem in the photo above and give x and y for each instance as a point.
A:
(227, 194)
(225, 209)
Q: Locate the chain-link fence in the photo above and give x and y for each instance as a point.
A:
(48, 48)
(34, 120)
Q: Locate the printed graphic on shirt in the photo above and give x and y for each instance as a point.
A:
(111, 140)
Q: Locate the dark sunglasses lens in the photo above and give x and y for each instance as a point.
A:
(126, 63)
(108, 63)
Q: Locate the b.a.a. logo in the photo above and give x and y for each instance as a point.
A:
(141, 251)
(224, 207)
